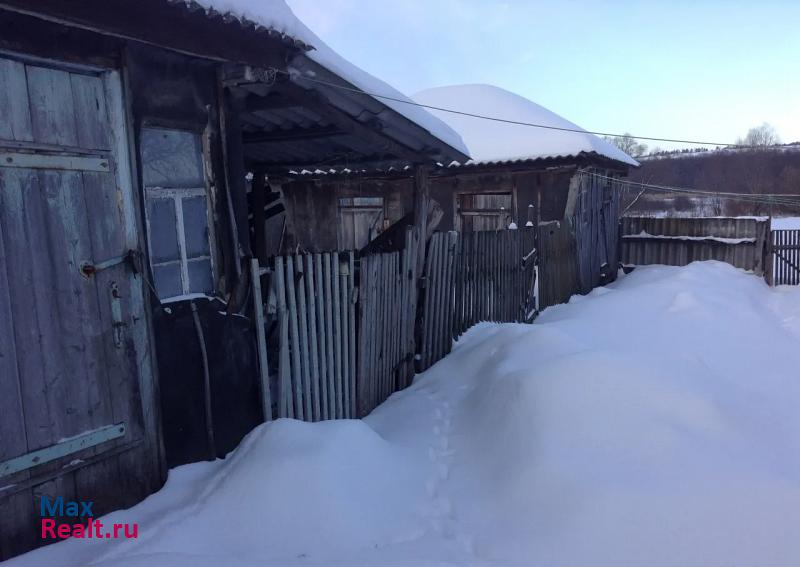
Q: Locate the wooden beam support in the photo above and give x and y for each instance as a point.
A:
(319, 104)
(258, 203)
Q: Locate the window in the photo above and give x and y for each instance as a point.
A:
(177, 212)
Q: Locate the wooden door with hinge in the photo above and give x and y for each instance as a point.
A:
(74, 341)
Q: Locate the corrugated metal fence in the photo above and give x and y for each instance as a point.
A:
(741, 242)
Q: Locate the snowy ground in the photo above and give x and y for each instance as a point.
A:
(654, 422)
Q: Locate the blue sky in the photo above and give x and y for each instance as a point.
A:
(706, 70)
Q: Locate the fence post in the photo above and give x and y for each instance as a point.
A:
(263, 364)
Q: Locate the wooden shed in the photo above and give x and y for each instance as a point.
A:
(127, 130)
(556, 175)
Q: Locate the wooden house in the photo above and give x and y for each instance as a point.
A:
(127, 130)
(517, 175)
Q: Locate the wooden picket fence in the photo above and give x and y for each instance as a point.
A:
(316, 302)
(347, 327)
(785, 251)
(494, 278)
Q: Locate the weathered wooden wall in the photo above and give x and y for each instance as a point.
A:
(74, 345)
(312, 202)
(741, 242)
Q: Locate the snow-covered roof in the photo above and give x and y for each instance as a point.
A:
(490, 141)
(276, 15)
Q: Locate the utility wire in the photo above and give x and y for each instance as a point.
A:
(766, 198)
(507, 121)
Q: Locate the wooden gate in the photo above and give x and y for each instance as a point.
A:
(74, 346)
(786, 257)
(495, 278)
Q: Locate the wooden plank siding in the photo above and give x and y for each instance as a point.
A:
(741, 242)
(80, 343)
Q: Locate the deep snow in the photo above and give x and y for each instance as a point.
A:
(653, 422)
(491, 141)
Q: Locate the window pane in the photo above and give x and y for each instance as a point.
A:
(200, 279)
(163, 234)
(168, 280)
(171, 158)
(195, 225)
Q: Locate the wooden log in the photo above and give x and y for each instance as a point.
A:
(261, 339)
(375, 341)
(427, 307)
(329, 335)
(337, 333)
(302, 316)
(397, 318)
(411, 309)
(258, 203)
(286, 407)
(343, 305)
(294, 335)
(361, 351)
(351, 314)
(421, 206)
(313, 337)
(323, 336)
(384, 326)
(403, 317)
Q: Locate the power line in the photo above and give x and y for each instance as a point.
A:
(516, 122)
(764, 198)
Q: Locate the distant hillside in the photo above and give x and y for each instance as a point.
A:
(772, 170)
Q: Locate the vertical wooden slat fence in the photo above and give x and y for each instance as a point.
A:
(786, 257)
(494, 278)
(316, 326)
(438, 302)
(558, 266)
(386, 306)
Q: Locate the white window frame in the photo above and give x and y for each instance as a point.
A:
(177, 195)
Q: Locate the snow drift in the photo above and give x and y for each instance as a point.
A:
(491, 141)
(653, 422)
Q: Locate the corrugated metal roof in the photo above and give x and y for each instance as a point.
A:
(245, 23)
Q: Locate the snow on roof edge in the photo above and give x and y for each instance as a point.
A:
(491, 141)
(278, 16)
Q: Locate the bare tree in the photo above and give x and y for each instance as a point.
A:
(760, 136)
(628, 144)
